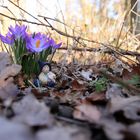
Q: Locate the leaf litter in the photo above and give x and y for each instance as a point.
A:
(75, 109)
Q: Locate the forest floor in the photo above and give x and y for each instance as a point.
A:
(89, 102)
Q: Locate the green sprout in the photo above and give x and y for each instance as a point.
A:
(100, 84)
(135, 80)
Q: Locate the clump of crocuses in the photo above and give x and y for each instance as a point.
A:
(28, 49)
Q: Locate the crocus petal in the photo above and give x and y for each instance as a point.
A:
(18, 31)
(8, 39)
(54, 45)
(57, 45)
(39, 42)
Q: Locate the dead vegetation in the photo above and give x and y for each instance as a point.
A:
(97, 70)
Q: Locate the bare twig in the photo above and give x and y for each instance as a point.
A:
(24, 20)
(25, 11)
(70, 36)
(124, 52)
(78, 39)
(54, 19)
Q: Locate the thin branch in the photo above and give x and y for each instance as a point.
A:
(53, 19)
(25, 11)
(124, 52)
(24, 20)
(68, 35)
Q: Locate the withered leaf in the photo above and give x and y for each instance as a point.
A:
(32, 112)
(64, 133)
(77, 86)
(87, 111)
(5, 60)
(135, 129)
(95, 96)
(113, 129)
(14, 131)
(128, 75)
(113, 91)
(7, 72)
(130, 107)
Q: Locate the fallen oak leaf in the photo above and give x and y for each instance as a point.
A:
(95, 96)
(39, 94)
(19, 80)
(113, 91)
(112, 129)
(14, 131)
(5, 60)
(116, 104)
(87, 111)
(127, 108)
(127, 75)
(135, 129)
(64, 133)
(132, 111)
(10, 71)
(32, 112)
(76, 86)
(7, 86)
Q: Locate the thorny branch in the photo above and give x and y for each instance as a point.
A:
(76, 38)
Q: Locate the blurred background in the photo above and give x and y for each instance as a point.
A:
(113, 22)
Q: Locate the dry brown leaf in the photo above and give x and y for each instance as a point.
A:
(88, 112)
(113, 91)
(32, 112)
(77, 86)
(95, 96)
(132, 111)
(135, 129)
(113, 129)
(14, 131)
(117, 104)
(20, 81)
(64, 133)
(128, 75)
(5, 60)
(7, 72)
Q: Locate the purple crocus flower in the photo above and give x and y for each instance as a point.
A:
(8, 39)
(54, 45)
(50, 41)
(18, 31)
(14, 33)
(37, 43)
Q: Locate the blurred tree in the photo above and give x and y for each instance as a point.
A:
(133, 15)
(136, 16)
